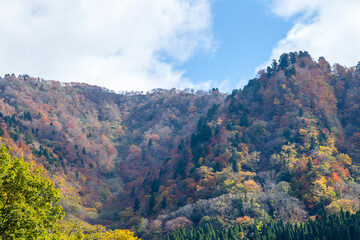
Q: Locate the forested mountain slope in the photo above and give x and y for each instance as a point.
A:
(89, 139)
(283, 147)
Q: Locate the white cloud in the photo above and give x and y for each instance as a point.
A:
(328, 28)
(288, 8)
(121, 45)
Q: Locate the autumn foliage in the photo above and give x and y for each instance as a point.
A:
(283, 147)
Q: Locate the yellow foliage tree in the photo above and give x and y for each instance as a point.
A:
(344, 204)
(78, 230)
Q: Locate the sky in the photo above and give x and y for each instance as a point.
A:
(140, 45)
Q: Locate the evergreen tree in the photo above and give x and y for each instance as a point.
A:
(155, 185)
(284, 61)
(150, 143)
(152, 203)
(136, 205)
(301, 112)
(163, 203)
(244, 121)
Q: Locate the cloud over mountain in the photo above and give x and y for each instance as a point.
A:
(324, 28)
(122, 45)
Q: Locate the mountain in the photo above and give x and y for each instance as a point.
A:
(89, 139)
(284, 147)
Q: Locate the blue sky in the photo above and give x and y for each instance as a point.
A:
(245, 32)
(140, 45)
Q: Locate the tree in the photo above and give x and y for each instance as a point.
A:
(284, 61)
(27, 199)
(118, 234)
(292, 57)
(136, 205)
(163, 203)
(152, 203)
(301, 112)
(74, 229)
(287, 134)
(150, 143)
(274, 65)
(244, 121)
(155, 185)
(235, 165)
(84, 151)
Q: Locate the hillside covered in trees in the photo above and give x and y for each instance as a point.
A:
(284, 148)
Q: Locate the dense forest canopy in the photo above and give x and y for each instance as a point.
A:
(285, 147)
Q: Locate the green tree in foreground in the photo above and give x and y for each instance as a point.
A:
(27, 200)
